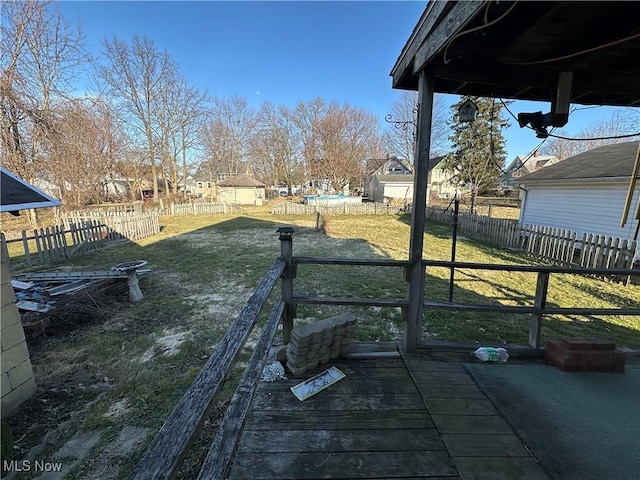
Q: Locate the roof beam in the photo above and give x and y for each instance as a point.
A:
(429, 19)
(457, 18)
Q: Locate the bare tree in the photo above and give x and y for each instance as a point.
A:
(40, 53)
(226, 136)
(136, 76)
(337, 140)
(306, 118)
(191, 118)
(276, 146)
(179, 116)
(602, 132)
(400, 134)
(84, 150)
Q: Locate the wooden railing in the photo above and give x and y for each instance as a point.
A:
(170, 446)
(168, 449)
(539, 308)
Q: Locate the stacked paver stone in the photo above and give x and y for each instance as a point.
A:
(317, 343)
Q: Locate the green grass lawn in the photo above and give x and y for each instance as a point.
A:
(205, 267)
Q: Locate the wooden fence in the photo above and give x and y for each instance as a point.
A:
(203, 209)
(368, 208)
(556, 245)
(81, 232)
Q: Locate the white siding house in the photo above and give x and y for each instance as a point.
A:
(585, 193)
(393, 181)
(392, 188)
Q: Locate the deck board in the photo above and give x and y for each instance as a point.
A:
(387, 419)
(302, 466)
(365, 419)
(365, 440)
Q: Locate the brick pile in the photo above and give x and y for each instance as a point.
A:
(319, 342)
(585, 355)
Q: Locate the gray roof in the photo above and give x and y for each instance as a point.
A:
(16, 194)
(241, 181)
(609, 162)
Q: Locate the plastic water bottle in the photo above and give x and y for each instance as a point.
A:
(490, 354)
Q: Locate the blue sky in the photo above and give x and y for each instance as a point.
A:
(285, 52)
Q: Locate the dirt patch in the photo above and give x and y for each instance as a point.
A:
(165, 345)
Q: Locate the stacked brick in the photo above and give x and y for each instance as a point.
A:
(585, 355)
(317, 343)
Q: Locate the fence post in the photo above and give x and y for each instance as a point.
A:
(540, 302)
(286, 253)
(25, 245)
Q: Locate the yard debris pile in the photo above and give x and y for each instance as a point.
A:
(51, 308)
(37, 296)
(55, 302)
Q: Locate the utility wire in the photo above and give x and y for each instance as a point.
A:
(581, 52)
(613, 137)
(475, 29)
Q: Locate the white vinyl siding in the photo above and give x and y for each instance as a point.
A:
(403, 191)
(582, 208)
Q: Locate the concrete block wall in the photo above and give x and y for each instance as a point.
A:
(317, 343)
(17, 382)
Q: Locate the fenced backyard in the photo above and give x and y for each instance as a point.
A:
(79, 232)
(367, 208)
(559, 246)
(201, 208)
(209, 282)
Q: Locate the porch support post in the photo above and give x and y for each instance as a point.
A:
(416, 273)
(286, 253)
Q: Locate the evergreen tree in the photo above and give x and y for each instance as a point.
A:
(478, 147)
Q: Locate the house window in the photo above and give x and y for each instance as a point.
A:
(199, 184)
(209, 185)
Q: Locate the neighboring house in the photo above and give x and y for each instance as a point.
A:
(585, 193)
(205, 189)
(391, 188)
(396, 186)
(388, 166)
(203, 184)
(441, 181)
(18, 384)
(241, 189)
(523, 165)
(115, 187)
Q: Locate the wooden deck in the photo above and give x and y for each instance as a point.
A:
(411, 417)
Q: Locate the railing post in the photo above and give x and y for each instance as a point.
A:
(540, 302)
(286, 253)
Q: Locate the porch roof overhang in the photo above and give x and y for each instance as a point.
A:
(517, 50)
(17, 194)
(561, 52)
